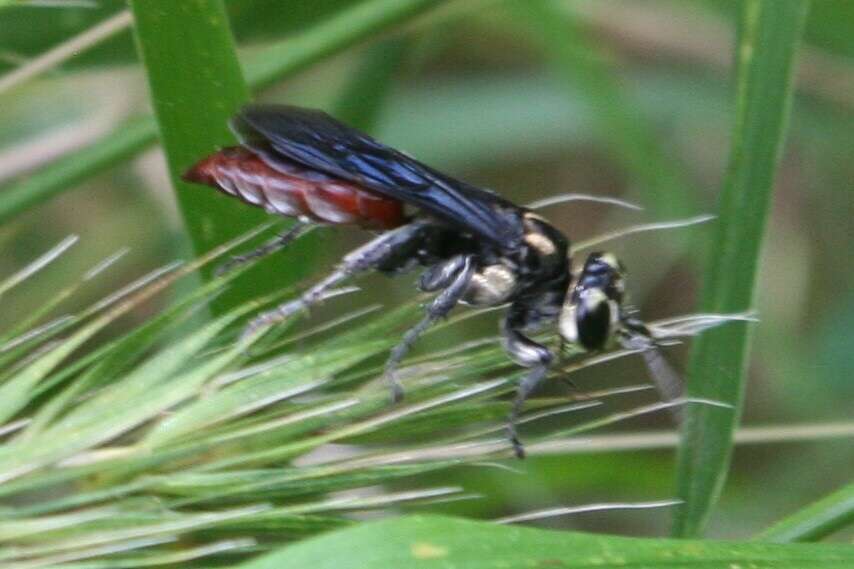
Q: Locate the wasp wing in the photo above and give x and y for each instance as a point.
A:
(668, 382)
(666, 379)
(319, 142)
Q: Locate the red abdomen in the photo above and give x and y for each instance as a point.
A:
(295, 191)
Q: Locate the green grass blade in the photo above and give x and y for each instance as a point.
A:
(262, 69)
(17, 392)
(113, 359)
(276, 483)
(196, 86)
(816, 521)
(115, 534)
(427, 541)
(149, 390)
(39, 264)
(769, 37)
(251, 394)
(577, 61)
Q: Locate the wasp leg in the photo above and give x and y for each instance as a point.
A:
(441, 275)
(454, 276)
(280, 242)
(373, 254)
(528, 353)
(527, 386)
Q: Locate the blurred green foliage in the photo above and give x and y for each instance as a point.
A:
(29, 31)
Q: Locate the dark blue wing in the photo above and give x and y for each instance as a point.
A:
(318, 141)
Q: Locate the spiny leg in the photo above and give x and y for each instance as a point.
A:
(297, 230)
(526, 387)
(454, 277)
(528, 353)
(442, 274)
(377, 252)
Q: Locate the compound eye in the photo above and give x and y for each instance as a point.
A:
(595, 317)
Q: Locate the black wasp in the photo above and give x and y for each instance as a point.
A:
(477, 247)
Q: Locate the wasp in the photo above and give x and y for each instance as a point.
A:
(475, 247)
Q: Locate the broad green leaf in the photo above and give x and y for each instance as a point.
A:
(816, 521)
(424, 542)
(769, 37)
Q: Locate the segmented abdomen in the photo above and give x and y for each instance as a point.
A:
(294, 191)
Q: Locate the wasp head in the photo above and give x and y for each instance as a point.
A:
(591, 314)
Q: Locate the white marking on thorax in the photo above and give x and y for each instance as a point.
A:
(541, 243)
